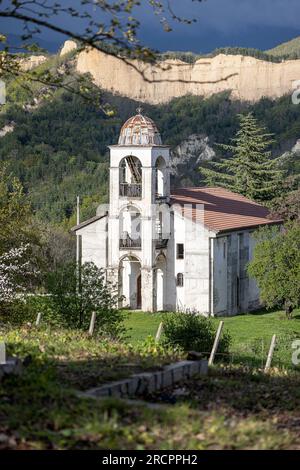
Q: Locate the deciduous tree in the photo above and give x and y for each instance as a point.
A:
(276, 267)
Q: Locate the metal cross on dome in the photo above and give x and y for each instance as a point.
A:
(139, 110)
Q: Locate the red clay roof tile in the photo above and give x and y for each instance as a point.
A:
(223, 209)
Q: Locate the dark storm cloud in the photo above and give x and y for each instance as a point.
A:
(246, 23)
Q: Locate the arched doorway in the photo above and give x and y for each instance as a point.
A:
(130, 282)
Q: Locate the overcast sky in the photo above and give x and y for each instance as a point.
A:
(247, 23)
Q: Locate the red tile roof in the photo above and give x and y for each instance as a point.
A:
(223, 210)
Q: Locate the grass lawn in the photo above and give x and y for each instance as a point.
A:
(140, 325)
(251, 334)
(233, 407)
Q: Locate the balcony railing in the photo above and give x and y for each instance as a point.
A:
(160, 197)
(130, 190)
(127, 242)
(161, 240)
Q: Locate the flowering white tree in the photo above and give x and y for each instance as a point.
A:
(14, 270)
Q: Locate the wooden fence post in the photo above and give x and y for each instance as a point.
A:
(92, 324)
(2, 353)
(270, 354)
(159, 332)
(38, 319)
(216, 344)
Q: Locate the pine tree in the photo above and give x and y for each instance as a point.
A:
(250, 171)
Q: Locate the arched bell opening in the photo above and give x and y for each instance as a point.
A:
(160, 177)
(130, 292)
(162, 226)
(130, 228)
(130, 177)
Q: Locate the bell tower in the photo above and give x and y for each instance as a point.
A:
(137, 234)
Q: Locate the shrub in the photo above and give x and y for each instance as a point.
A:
(149, 347)
(191, 331)
(74, 302)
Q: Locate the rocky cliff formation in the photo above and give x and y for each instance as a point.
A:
(186, 159)
(31, 62)
(196, 147)
(249, 79)
(68, 46)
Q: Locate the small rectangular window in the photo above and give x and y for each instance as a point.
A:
(179, 280)
(180, 251)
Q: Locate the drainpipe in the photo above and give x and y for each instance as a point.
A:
(211, 277)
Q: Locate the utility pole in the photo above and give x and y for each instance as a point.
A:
(78, 247)
(78, 236)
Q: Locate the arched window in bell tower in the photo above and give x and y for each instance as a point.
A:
(160, 177)
(130, 228)
(130, 177)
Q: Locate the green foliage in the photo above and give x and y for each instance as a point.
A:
(75, 301)
(57, 246)
(276, 267)
(59, 148)
(287, 50)
(188, 57)
(150, 347)
(25, 311)
(247, 52)
(40, 409)
(276, 55)
(15, 213)
(58, 151)
(251, 335)
(287, 207)
(19, 244)
(250, 170)
(191, 331)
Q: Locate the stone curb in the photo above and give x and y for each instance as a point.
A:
(149, 382)
(13, 366)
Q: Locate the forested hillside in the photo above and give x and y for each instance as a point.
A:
(58, 145)
(290, 49)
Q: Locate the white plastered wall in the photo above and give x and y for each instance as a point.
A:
(94, 242)
(195, 294)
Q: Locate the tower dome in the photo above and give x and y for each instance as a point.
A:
(139, 130)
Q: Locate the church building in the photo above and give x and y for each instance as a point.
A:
(185, 249)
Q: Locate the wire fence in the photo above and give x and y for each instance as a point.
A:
(253, 353)
(250, 353)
